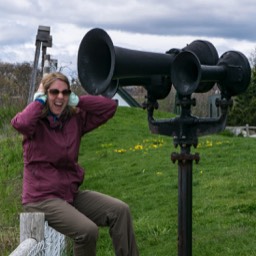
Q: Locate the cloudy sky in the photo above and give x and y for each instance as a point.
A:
(145, 25)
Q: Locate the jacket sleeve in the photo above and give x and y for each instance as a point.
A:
(98, 110)
(25, 121)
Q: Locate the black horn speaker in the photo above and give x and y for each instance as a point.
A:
(232, 73)
(101, 64)
(102, 67)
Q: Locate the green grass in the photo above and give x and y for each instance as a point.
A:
(123, 159)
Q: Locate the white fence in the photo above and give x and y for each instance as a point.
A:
(37, 238)
(245, 131)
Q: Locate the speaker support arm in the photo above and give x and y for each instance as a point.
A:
(187, 128)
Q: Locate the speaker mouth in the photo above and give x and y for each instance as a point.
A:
(96, 61)
(186, 73)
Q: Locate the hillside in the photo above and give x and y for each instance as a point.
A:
(123, 159)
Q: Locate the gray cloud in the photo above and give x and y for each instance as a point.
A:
(226, 22)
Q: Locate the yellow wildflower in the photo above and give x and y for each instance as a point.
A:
(138, 147)
(120, 150)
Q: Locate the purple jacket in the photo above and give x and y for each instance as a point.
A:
(51, 147)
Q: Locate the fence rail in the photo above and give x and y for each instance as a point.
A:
(37, 238)
(24, 247)
(246, 130)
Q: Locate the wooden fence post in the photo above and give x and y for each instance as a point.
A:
(32, 226)
(31, 232)
(247, 130)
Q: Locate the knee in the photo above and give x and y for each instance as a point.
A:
(87, 234)
(124, 208)
(122, 211)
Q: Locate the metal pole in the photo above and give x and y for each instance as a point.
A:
(43, 37)
(34, 72)
(185, 162)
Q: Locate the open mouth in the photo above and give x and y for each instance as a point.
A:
(58, 104)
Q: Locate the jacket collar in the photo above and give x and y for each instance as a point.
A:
(54, 120)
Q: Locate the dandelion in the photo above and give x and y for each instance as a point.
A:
(145, 146)
(208, 143)
(138, 147)
(120, 151)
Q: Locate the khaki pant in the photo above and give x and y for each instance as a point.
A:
(81, 220)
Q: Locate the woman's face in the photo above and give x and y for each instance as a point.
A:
(58, 97)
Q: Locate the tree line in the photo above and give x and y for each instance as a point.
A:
(15, 79)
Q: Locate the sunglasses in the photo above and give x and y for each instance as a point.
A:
(56, 92)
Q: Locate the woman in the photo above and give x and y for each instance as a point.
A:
(53, 125)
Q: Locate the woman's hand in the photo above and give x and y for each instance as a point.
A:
(40, 94)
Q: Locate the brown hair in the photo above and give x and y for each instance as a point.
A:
(47, 81)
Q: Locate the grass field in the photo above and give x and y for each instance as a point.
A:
(123, 159)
